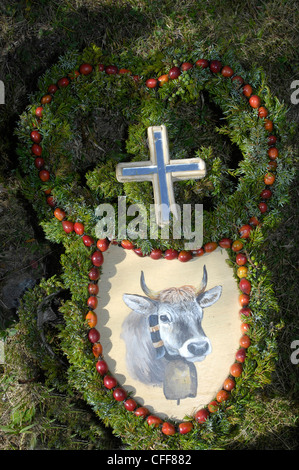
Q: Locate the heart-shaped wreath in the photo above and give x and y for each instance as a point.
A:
(68, 168)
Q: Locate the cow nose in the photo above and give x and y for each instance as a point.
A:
(198, 349)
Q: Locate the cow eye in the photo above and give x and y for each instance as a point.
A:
(164, 319)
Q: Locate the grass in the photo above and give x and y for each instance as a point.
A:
(33, 34)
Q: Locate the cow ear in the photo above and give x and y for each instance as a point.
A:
(140, 304)
(209, 297)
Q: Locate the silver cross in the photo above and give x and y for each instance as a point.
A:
(162, 172)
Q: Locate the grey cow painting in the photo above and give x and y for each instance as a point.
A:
(164, 336)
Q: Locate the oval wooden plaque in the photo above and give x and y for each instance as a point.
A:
(176, 362)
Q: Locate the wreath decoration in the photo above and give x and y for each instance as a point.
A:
(65, 187)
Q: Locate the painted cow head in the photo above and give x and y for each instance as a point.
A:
(175, 317)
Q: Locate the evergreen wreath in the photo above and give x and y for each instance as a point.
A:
(67, 169)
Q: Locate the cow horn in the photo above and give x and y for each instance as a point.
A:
(150, 293)
(204, 281)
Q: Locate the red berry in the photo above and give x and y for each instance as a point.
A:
(255, 101)
(97, 258)
(184, 256)
(241, 259)
(241, 355)
(79, 228)
(97, 349)
(213, 406)
(245, 341)
(202, 415)
(266, 194)
(236, 369)
(239, 80)
(272, 139)
(39, 111)
(186, 66)
(237, 245)
(227, 71)
(272, 165)
(44, 175)
(111, 69)
(102, 367)
(103, 244)
(171, 254)
(59, 214)
(268, 125)
(198, 252)
(151, 83)
(119, 394)
(63, 82)
(225, 243)
(222, 395)
(244, 300)
(245, 327)
(210, 246)
(156, 253)
(185, 427)
(35, 137)
(245, 286)
(93, 289)
(269, 179)
(39, 162)
(109, 381)
(36, 150)
(142, 412)
(215, 66)
(273, 153)
(245, 311)
(87, 240)
(174, 72)
(94, 274)
(229, 384)
(73, 75)
(123, 71)
(85, 69)
(163, 79)
(262, 112)
(253, 221)
(168, 429)
(91, 319)
(51, 201)
(46, 99)
(52, 88)
(93, 335)
(245, 231)
(154, 421)
(101, 67)
(263, 207)
(247, 91)
(138, 252)
(68, 226)
(130, 404)
(203, 63)
(127, 245)
(92, 302)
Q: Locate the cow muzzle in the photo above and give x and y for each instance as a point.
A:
(195, 350)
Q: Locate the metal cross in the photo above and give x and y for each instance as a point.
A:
(162, 172)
